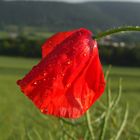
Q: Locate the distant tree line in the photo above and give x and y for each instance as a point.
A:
(20, 46)
(122, 56)
(27, 47)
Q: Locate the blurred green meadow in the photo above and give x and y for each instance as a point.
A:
(21, 120)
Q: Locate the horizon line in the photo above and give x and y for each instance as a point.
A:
(130, 1)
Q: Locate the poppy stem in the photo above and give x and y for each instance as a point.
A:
(122, 127)
(116, 30)
(89, 124)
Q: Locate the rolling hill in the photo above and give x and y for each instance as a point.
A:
(58, 16)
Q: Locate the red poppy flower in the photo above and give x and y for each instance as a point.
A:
(69, 78)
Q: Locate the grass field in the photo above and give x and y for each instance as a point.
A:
(20, 120)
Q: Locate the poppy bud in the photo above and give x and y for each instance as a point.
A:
(69, 78)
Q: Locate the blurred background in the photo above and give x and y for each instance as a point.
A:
(26, 24)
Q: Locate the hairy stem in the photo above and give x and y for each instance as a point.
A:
(89, 124)
(116, 30)
(123, 124)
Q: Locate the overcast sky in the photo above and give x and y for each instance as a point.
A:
(91, 0)
(84, 0)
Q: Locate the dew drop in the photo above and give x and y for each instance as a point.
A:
(63, 74)
(95, 45)
(44, 74)
(84, 54)
(35, 83)
(68, 62)
(42, 110)
(68, 85)
(44, 79)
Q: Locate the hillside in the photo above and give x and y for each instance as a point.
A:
(61, 16)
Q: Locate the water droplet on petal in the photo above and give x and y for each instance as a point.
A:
(95, 45)
(44, 79)
(44, 74)
(69, 62)
(85, 54)
(68, 85)
(63, 74)
(35, 83)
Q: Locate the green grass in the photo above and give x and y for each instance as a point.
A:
(19, 118)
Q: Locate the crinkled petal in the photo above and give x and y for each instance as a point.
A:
(64, 82)
(53, 41)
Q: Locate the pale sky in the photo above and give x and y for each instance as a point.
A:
(82, 0)
(91, 0)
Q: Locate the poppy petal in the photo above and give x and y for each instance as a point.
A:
(53, 41)
(64, 82)
(87, 86)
